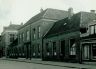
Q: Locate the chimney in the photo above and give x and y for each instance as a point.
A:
(70, 12)
(92, 11)
(41, 10)
(10, 22)
(22, 23)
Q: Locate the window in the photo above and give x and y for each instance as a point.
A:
(12, 37)
(47, 49)
(92, 29)
(86, 52)
(20, 37)
(39, 31)
(38, 49)
(94, 51)
(95, 29)
(34, 33)
(28, 35)
(34, 50)
(23, 36)
(72, 47)
(54, 48)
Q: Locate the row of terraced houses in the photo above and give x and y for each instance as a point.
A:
(54, 35)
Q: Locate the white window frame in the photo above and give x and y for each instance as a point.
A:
(72, 49)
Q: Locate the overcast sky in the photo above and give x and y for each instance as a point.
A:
(18, 11)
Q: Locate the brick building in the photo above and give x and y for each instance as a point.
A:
(63, 40)
(31, 33)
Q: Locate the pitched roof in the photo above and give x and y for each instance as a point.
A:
(55, 14)
(68, 25)
(86, 17)
(12, 27)
(48, 14)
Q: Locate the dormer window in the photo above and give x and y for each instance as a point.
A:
(64, 23)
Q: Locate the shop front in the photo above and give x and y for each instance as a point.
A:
(89, 51)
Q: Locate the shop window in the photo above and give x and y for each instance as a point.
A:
(72, 47)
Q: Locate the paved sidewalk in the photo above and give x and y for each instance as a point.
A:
(62, 64)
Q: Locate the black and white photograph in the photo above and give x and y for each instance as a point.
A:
(47, 34)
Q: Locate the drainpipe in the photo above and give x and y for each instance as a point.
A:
(30, 44)
(80, 60)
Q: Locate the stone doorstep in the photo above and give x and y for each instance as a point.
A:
(61, 64)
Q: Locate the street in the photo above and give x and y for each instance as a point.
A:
(5, 64)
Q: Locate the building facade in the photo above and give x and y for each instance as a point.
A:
(57, 35)
(31, 33)
(63, 41)
(88, 42)
(8, 35)
(1, 48)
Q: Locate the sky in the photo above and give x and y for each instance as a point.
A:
(18, 11)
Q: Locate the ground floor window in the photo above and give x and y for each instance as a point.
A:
(38, 49)
(33, 50)
(86, 51)
(48, 49)
(72, 47)
(94, 51)
(62, 48)
(54, 48)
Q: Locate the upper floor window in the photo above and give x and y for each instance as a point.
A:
(28, 35)
(23, 36)
(39, 31)
(95, 29)
(20, 37)
(12, 37)
(92, 29)
(34, 33)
